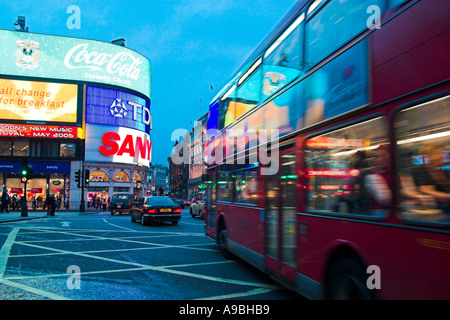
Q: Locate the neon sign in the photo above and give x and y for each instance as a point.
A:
(130, 145)
(117, 108)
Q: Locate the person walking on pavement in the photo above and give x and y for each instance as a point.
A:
(51, 205)
(5, 201)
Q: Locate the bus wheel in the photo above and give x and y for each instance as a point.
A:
(222, 241)
(347, 281)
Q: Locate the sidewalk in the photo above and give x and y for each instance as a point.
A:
(38, 214)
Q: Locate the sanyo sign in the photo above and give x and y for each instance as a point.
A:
(117, 145)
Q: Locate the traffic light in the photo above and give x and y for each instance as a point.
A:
(77, 178)
(26, 171)
(86, 178)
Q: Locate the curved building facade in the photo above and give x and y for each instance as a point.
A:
(69, 104)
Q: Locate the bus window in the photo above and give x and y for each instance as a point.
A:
(227, 108)
(346, 170)
(396, 3)
(224, 183)
(283, 59)
(247, 186)
(335, 24)
(248, 93)
(423, 153)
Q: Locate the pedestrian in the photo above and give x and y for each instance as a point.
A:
(39, 201)
(15, 202)
(58, 203)
(33, 203)
(51, 205)
(5, 201)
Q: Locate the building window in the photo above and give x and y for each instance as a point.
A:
(5, 148)
(137, 177)
(21, 148)
(98, 176)
(49, 149)
(67, 150)
(121, 177)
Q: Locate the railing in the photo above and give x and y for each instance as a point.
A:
(68, 206)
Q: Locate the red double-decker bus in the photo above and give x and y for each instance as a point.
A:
(346, 194)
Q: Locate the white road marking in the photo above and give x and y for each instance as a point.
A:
(239, 294)
(6, 249)
(260, 288)
(33, 290)
(111, 224)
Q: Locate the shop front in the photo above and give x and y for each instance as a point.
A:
(49, 178)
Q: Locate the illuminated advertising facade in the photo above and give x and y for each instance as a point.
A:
(73, 59)
(69, 104)
(38, 101)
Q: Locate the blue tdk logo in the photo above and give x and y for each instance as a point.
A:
(118, 109)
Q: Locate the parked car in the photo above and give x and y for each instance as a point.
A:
(121, 202)
(152, 209)
(198, 206)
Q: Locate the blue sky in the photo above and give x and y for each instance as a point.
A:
(190, 44)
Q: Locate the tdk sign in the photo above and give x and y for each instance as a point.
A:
(118, 109)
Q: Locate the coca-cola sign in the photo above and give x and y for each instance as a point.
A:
(122, 63)
(73, 59)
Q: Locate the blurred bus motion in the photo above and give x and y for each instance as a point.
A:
(364, 121)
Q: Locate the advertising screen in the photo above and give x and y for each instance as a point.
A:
(117, 145)
(38, 101)
(116, 108)
(37, 131)
(44, 56)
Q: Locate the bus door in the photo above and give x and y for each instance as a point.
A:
(210, 203)
(281, 218)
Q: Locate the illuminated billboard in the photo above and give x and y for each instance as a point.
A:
(37, 131)
(117, 108)
(38, 101)
(46, 56)
(117, 145)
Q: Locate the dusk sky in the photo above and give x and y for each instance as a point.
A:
(190, 44)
